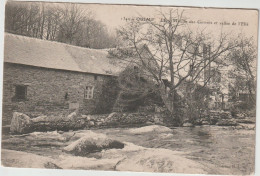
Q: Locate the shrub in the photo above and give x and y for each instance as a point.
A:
(108, 96)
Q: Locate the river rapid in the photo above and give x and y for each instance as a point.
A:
(222, 150)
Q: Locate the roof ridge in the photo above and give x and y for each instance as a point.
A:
(55, 55)
(56, 42)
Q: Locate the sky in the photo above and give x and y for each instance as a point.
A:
(239, 20)
(233, 22)
(113, 17)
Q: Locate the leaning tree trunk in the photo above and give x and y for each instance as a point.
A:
(169, 103)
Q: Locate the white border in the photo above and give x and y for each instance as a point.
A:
(254, 4)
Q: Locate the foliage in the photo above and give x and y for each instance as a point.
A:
(68, 23)
(175, 51)
(243, 58)
(136, 89)
(108, 96)
(196, 100)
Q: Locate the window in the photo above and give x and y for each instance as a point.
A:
(20, 92)
(95, 77)
(89, 91)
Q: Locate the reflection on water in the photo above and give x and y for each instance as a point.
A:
(223, 150)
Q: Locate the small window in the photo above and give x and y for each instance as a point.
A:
(89, 91)
(20, 92)
(95, 77)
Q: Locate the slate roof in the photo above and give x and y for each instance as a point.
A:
(49, 54)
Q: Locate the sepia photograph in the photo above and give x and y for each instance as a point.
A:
(136, 88)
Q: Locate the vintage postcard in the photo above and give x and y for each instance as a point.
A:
(129, 88)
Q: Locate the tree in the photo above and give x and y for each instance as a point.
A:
(197, 100)
(23, 19)
(243, 58)
(72, 17)
(135, 90)
(95, 35)
(53, 16)
(67, 23)
(179, 53)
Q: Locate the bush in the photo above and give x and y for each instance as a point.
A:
(244, 107)
(108, 96)
(196, 103)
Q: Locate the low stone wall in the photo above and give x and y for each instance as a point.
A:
(214, 118)
(22, 123)
(220, 118)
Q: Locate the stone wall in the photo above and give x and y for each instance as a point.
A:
(46, 90)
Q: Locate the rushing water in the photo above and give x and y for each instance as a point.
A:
(224, 150)
(217, 147)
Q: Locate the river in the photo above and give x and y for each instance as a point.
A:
(223, 150)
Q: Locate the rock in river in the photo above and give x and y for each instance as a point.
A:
(159, 160)
(227, 122)
(151, 128)
(91, 144)
(187, 125)
(20, 123)
(135, 158)
(12, 158)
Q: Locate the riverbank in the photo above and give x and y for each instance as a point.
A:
(22, 123)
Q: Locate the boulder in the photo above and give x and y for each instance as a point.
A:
(225, 115)
(20, 123)
(111, 115)
(245, 126)
(99, 123)
(84, 116)
(227, 122)
(240, 116)
(157, 120)
(187, 124)
(220, 114)
(46, 119)
(213, 120)
(82, 122)
(89, 118)
(72, 116)
(92, 143)
(91, 123)
(247, 121)
(149, 123)
(135, 158)
(42, 118)
(82, 133)
(159, 160)
(151, 128)
(198, 122)
(86, 163)
(12, 158)
(204, 122)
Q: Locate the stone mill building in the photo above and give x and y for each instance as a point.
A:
(42, 77)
